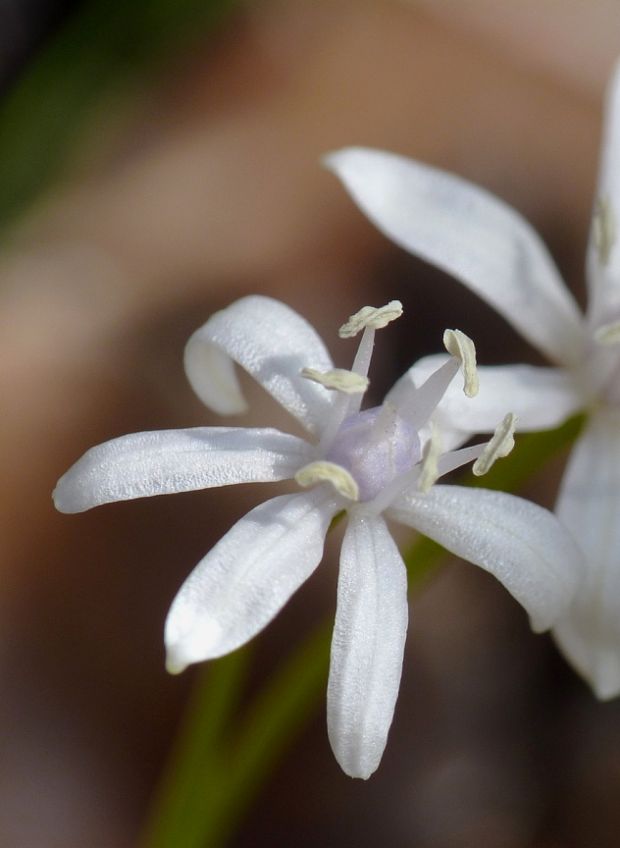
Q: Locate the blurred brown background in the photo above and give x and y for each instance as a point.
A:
(204, 185)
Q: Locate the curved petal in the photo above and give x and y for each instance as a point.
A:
(167, 461)
(520, 543)
(603, 263)
(272, 343)
(247, 577)
(472, 235)
(541, 398)
(367, 646)
(589, 504)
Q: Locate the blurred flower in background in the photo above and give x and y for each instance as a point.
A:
(482, 242)
(158, 160)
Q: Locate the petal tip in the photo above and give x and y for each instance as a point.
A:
(539, 625)
(330, 160)
(190, 638)
(335, 160)
(327, 160)
(57, 499)
(359, 768)
(606, 692)
(359, 773)
(63, 500)
(174, 662)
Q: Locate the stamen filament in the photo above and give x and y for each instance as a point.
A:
(368, 319)
(410, 479)
(417, 405)
(452, 460)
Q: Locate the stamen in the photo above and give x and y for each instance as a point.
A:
(500, 445)
(374, 317)
(384, 422)
(323, 471)
(461, 346)
(604, 229)
(416, 405)
(608, 334)
(339, 379)
(430, 456)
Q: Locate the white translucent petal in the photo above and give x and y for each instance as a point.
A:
(604, 243)
(166, 461)
(589, 504)
(471, 234)
(367, 645)
(520, 543)
(273, 344)
(247, 577)
(541, 398)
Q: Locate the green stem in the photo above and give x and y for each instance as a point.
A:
(193, 773)
(212, 783)
(272, 722)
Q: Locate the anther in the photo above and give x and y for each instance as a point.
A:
(338, 379)
(374, 317)
(430, 455)
(500, 445)
(462, 348)
(323, 471)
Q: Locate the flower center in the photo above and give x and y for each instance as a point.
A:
(371, 455)
(375, 446)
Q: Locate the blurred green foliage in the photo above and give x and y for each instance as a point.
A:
(102, 47)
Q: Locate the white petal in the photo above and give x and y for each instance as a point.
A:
(270, 341)
(521, 544)
(367, 646)
(541, 398)
(604, 243)
(589, 504)
(166, 461)
(247, 577)
(471, 234)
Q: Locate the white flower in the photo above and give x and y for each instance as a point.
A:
(491, 249)
(381, 461)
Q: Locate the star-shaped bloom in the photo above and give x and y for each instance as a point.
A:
(491, 249)
(373, 464)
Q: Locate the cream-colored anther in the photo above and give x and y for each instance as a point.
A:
(604, 229)
(375, 317)
(338, 379)
(608, 334)
(461, 346)
(430, 455)
(329, 472)
(500, 445)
